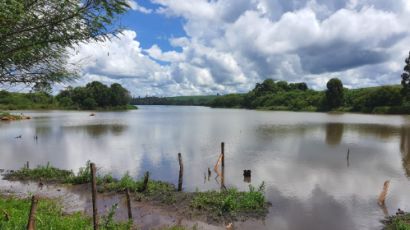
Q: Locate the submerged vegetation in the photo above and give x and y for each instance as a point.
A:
(94, 96)
(215, 206)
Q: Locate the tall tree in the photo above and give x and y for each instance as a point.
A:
(405, 79)
(35, 35)
(334, 93)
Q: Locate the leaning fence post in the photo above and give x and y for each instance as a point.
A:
(94, 195)
(181, 172)
(127, 193)
(32, 216)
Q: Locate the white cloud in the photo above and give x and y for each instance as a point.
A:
(232, 44)
(171, 56)
(135, 6)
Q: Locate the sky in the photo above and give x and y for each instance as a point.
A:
(202, 47)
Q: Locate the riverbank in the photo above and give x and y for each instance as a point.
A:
(210, 207)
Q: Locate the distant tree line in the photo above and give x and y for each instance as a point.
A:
(94, 95)
(182, 100)
(271, 95)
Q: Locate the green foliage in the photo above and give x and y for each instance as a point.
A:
(405, 79)
(296, 97)
(228, 101)
(34, 100)
(334, 94)
(180, 100)
(399, 222)
(35, 35)
(41, 173)
(95, 95)
(49, 215)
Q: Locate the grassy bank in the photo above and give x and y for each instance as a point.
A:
(49, 215)
(212, 206)
(398, 222)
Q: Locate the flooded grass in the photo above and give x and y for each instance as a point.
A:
(49, 215)
(214, 206)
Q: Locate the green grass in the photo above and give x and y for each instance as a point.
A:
(41, 173)
(400, 222)
(219, 206)
(230, 201)
(49, 215)
(106, 182)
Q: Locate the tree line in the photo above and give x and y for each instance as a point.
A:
(281, 95)
(93, 96)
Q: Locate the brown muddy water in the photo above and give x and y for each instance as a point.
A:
(302, 157)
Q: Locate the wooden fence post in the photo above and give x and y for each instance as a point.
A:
(145, 185)
(223, 154)
(94, 195)
(32, 216)
(223, 165)
(127, 193)
(181, 172)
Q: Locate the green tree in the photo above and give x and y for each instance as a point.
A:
(35, 35)
(334, 93)
(99, 92)
(119, 95)
(267, 86)
(405, 79)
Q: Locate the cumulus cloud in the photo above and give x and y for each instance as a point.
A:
(135, 6)
(232, 44)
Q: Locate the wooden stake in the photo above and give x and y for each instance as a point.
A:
(181, 172)
(94, 195)
(32, 216)
(145, 185)
(223, 154)
(127, 193)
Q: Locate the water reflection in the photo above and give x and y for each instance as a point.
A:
(98, 130)
(334, 133)
(405, 149)
(302, 157)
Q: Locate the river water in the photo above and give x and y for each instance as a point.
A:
(301, 157)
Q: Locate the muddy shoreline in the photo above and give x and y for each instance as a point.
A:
(147, 214)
